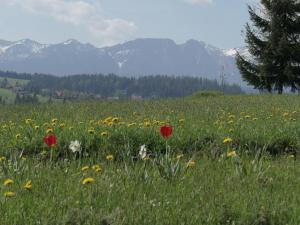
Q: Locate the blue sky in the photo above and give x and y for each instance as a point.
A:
(107, 22)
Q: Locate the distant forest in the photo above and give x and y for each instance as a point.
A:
(104, 86)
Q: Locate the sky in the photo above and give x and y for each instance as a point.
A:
(108, 22)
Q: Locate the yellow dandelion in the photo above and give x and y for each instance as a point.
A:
(18, 136)
(88, 180)
(2, 158)
(91, 131)
(103, 134)
(131, 124)
(50, 130)
(227, 140)
(231, 116)
(231, 154)
(97, 168)
(9, 194)
(28, 185)
(28, 121)
(54, 120)
(286, 114)
(179, 156)
(191, 163)
(109, 157)
(147, 124)
(247, 116)
(115, 119)
(8, 182)
(62, 125)
(181, 120)
(36, 127)
(85, 168)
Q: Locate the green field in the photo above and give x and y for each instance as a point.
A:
(15, 82)
(7, 95)
(230, 160)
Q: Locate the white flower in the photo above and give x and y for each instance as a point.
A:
(143, 152)
(75, 146)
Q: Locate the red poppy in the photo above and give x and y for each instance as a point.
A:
(50, 140)
(166, 131)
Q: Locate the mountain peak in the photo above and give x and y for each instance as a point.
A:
(71, 42)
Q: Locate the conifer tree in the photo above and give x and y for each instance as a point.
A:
(273, 41)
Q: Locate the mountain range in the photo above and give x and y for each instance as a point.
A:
(139, 57)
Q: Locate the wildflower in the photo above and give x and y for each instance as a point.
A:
(109, 157)
(49, 131)
(191, 163)
(28, 185)
(91, 131)
(18, 136)
(75, 146)
(85, 168)
(88, 180)
(97, 168)
(231, 116)
(131, 124)
(143, 152)
(115, 119)
(62, 125)
(179, 156)
(9, 194)
(103, 134)
(286, 114)
(166, 131)
(2, 158)
(54, 120)
(147, 124)
(50, 140)
(36, 127)
(28, 121)
(247, 116)
(231, 154)
(8, 182)
(227, 140)
(181, 120)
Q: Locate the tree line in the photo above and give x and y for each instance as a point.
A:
(112, 85)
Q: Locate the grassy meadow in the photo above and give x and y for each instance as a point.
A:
(230, 160)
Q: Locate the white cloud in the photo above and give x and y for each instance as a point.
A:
(199, 2)
(81, 13)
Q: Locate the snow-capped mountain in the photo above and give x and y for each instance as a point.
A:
(134, 58)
